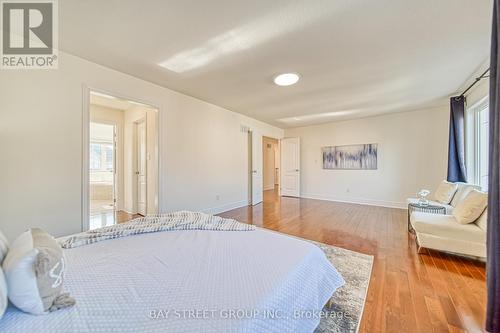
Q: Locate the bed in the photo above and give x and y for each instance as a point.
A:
(190, 281)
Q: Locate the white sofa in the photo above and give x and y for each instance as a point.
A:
(444, 233)
(462, 191)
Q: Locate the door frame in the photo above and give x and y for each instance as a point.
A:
(250, 163)
(159, 128)
(250, 167)
(261, 153)
(278, 141)
(135, 159)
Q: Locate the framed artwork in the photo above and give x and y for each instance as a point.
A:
(352, 157)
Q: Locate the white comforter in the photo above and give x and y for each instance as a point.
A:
(190, 281)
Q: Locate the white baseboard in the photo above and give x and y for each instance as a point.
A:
(360, 201)
(225, 208)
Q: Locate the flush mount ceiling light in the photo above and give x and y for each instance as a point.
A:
(286, 79)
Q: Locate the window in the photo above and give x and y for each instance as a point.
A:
(101, 156)
(102, 152)
(95, 156)
(477, 143)
(483, 147)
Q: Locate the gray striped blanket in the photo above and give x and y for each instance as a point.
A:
(182, 220)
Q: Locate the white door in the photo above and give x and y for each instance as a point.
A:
(141, 168)
(290, 167)
(257, 179)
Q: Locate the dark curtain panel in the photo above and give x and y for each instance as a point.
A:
(456, 145)
(493, 240)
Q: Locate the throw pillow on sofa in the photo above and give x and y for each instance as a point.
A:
(463, 190)
(445, 192)
(471, 207)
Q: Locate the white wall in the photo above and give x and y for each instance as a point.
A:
(202, 149)
(478, 92)
(412, 154)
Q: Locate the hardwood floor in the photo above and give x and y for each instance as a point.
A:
(110, 217)
(408, 292)
(122, 216)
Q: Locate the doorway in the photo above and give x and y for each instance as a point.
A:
(271, 164)
(264, 160)
(102, 173)
(121, 161)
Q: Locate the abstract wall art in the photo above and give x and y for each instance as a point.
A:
(353, 157)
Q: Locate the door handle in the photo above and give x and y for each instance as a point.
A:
(137, 172)
(254, 171)
(297, 170)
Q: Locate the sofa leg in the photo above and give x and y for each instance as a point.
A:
(420, 249)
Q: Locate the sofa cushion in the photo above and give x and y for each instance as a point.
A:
(447, 227)
(449, 208)
(462, 191)
(445, 192)
(469, 209)
(482, 221)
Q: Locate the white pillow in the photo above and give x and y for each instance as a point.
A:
(4, 246)
(34, 270)
(471, 207)
(463, 190)
(4, 249)
(445, 192)
(3, 294)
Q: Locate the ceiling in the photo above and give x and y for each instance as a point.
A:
(110, 102)
(117, 103)
(356, 58)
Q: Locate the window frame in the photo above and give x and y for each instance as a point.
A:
(102, 160)
(473, 140)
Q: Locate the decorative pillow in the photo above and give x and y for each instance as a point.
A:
(3, 294)
(463, 190)
(469, 209)
(4, 247)
(445, 192)
(34, 269)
